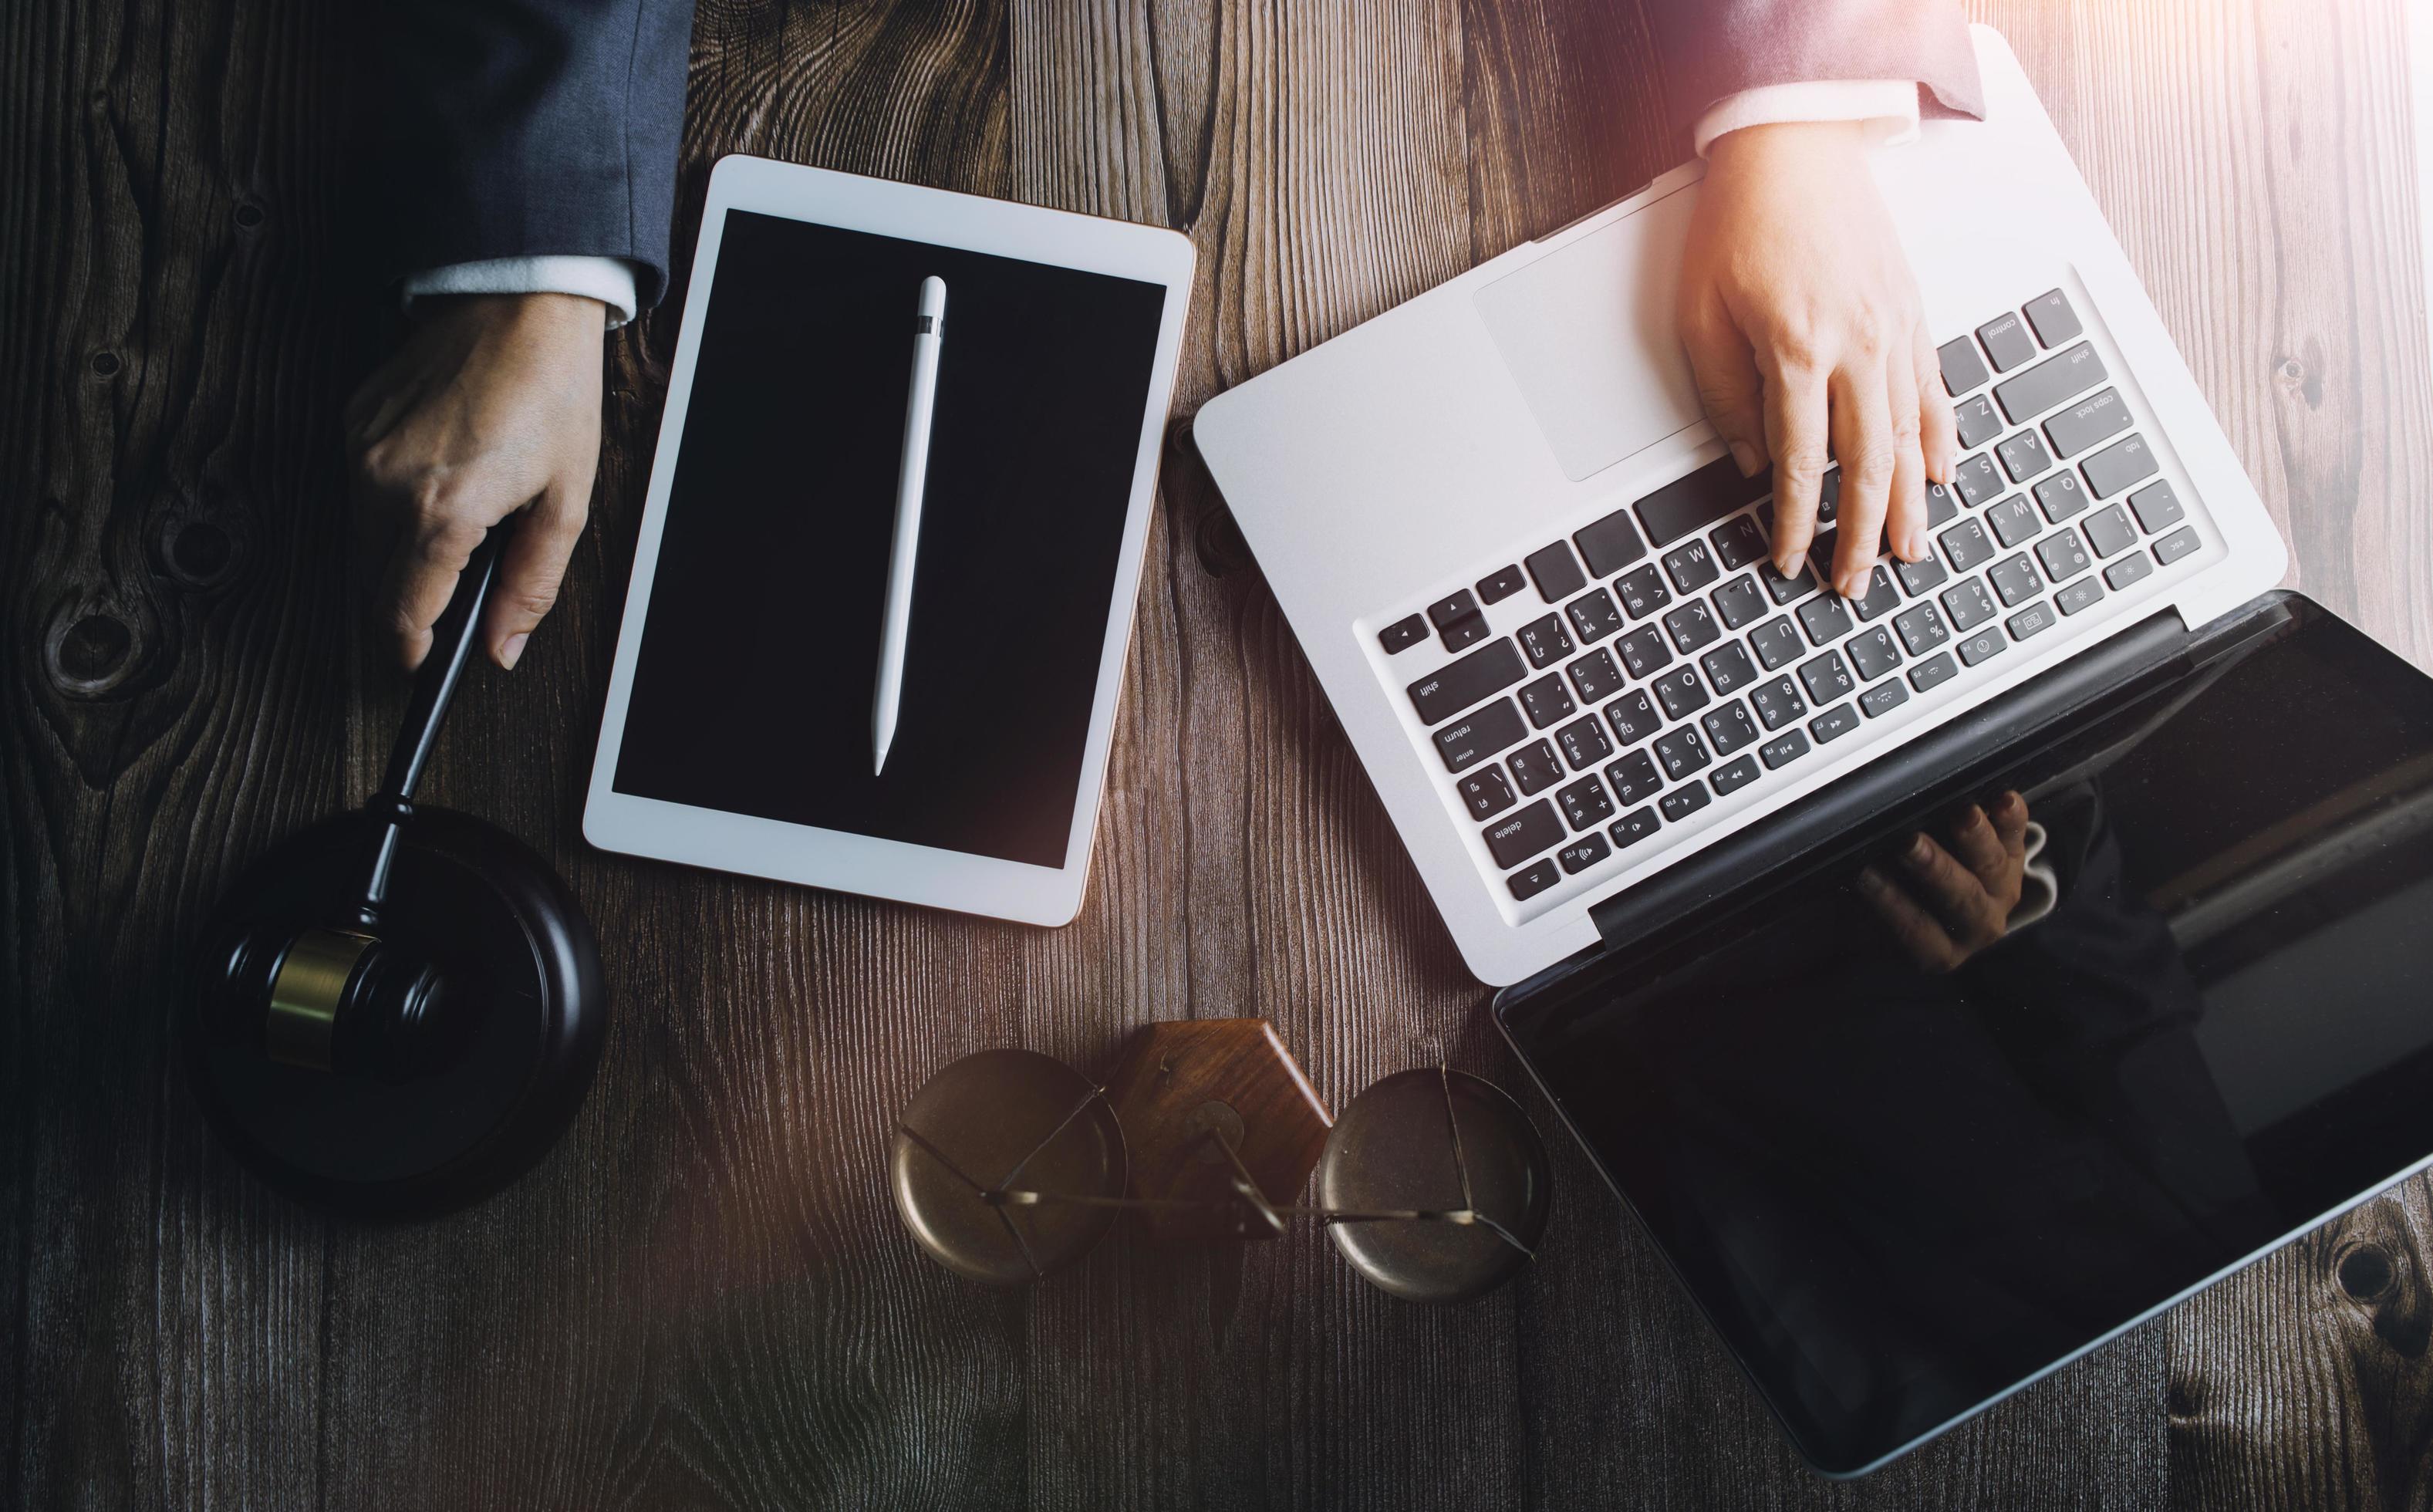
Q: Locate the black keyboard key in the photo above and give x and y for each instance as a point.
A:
(2084, 594)
(1593, 616)
(2050, 383)
(1584, 743)
(1633, 717)
(1962, 369)
(1966, 546)
(2060, 497)
(1776, 644)
(1403, 633)
(1633, 827)
(1535, 768)
(1643, 651)
(2119, 464)
(1985, 643)
(2064, 555)
(1585, 803)
(1921, 628)
(1787, 589)
(2157, 507)
(1546, 641)
(1935, 672)
(1531, 831)
(1776, 703)
(1502, 583)
(1881, 599)
(1611, 544)
(1941, 507)
(1826, 678)
(1531, 880)
(1872, 652)
(2014, 520)
(1921, 577)
(1556, 573)
(1633, 778)
(1481, 733)
(2109, 531)
(1825, 619)
(2054, 320)
(1789, 746)
(2032, 620)
(1690, 567)
(1821, 547)
(1728, 668)
(1466, 630)
(1460, 606)
(1688, 505)
(1681, 802)
(1680, 692)
(2128, 569)
(1883, 698)
(1682, 752)
(1739, 543)
(1832, 724)
(1692, 627)
(2082, 425)
(1733, 775)
(1829, 498)
(1583, 852)
(1968, 605)
(2006, 341)
(1595, 676)
(1468, 680)
(1729, 727)
(2014, 579)
(2176, 545)
(1975, 479)
(1643, 591)
(1738, 602)
(2024, 456)
(1547, 701)
(1979, 424)
(1486, 792)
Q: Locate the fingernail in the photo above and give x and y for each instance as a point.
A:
(513, 648)
(1917, 847)
(1747, 456)
(1917, 545)
(1787, 565)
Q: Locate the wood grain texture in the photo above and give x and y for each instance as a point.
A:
(702, 1299)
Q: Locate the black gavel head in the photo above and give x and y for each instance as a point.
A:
(331, 999)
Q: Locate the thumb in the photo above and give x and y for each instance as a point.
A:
(1729, 385)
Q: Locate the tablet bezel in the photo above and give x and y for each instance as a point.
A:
(866, 864)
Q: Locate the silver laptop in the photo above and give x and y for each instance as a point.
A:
(1539, 595)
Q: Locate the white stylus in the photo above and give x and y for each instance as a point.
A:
(928, 333)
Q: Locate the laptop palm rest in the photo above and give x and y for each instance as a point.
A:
(1588, 339)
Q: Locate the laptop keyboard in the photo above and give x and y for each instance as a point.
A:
(1672, 668)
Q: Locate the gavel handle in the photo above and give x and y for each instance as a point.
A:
(452, 644)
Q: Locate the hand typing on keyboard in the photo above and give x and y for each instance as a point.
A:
(1804, 325)
(1944, 904)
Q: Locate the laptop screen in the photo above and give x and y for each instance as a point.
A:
(1903, 1176)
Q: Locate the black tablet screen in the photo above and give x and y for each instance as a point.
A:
(1901, 1183)
(752, 688)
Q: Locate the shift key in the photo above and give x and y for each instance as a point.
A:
(1447, 692)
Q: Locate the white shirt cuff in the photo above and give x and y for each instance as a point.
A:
(608, 280)
(1888, 105)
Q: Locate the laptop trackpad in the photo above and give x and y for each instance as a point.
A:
(1588, 333)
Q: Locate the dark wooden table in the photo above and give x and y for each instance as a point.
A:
(702, 1299)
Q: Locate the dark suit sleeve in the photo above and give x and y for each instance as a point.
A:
(1720, 48)
(524, 128)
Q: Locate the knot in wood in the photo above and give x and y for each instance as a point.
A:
(90, 651)
(197, 550)
(2367, 1272)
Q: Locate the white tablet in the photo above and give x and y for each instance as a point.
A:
(739, 728)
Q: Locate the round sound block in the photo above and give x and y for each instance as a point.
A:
(1006, 1119)
(1393, 1149)
(526, 1022)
